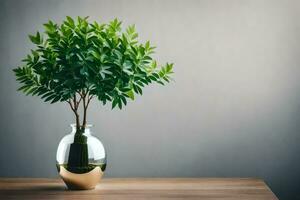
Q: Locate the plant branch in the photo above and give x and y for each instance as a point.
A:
(86, 101)
(84, 111)
(75, 109)
(85, 98)
(69, 102)
(78, 102)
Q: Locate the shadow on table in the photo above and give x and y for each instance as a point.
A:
(46, 188)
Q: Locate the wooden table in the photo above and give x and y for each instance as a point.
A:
(140, 188)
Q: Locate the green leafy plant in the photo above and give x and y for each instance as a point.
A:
(77, 61)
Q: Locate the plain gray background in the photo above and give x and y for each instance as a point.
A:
(232, 111)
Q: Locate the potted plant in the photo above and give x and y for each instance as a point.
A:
(76, 62)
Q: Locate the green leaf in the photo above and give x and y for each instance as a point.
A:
(51, 97)
(104, 71)
(36, 39)
(22, 88)
(147, 45)
(50, 27)
(114, 103)
(71, 22)
(120, 103)
(130, 94)
(123, 100)
(57, 98)
(47, 94)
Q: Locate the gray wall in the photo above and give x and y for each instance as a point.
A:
(233, 110)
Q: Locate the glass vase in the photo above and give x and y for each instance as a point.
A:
(80, 159)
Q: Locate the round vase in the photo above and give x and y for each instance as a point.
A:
(80, 159)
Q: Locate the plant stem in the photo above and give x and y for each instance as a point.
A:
(84, 111)
(76, 113)
(74, 104)
(86, 101)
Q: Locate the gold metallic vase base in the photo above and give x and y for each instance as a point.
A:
(86, 181)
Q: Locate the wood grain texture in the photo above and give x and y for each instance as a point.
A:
(140, 188)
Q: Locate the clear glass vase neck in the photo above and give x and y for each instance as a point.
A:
(87, 129)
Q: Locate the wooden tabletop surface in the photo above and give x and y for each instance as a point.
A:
(140, 188)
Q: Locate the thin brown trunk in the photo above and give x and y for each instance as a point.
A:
(74, 106)
(77, 122)
(84, 112)
(86, 101)
(76, 113)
